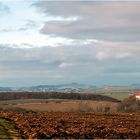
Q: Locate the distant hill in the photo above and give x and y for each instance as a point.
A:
(74, 87)
(118, 89)
(5, 89)
(71, 85)
(43, 88)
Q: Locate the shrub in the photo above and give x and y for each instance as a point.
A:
(129, 105)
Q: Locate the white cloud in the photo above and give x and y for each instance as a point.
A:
(110, 54)
(124, 55)
(101, 55)
(66, 65)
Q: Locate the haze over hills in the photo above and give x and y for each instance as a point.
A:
(74, 87)
(60, 87)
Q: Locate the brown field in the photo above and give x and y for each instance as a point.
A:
(47, 125)
(70, 106)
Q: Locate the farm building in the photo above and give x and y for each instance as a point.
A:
(137, 96)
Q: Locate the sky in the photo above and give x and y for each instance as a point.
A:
(57, 42)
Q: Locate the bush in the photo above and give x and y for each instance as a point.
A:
(129, 105)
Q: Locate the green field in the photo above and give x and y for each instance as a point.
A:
(119, 96)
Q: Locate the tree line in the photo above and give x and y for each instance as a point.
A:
(54, 95)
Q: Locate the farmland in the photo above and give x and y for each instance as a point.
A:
(69, 106)
(75, 125)
(54, 101)
(80, 116)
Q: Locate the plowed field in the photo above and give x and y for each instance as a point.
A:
(45, 125)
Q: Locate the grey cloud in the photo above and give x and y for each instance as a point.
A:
(6, 30)
(114, 21)
(69, 63)
(59, 7)
(4, 9)
(124, 69)
(88, 8)
(87, 30)
(29, 24)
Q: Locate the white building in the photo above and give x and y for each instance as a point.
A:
(137, 96)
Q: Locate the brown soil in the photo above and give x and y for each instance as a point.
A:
(47, 125)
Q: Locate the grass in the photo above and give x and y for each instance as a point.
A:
(119, 96)
(7, 130)
(3, 132)
(4, 127)
(19, 101)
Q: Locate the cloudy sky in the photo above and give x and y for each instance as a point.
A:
(55, 42)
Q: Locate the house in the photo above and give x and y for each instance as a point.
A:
(137, 96)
